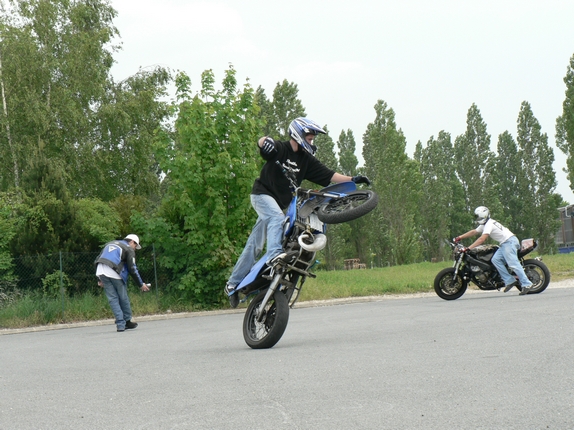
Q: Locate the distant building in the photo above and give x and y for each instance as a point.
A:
(565, 234)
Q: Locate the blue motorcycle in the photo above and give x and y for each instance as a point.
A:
(275, 288)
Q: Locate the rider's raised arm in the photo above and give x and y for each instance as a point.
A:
(469, 233)
(359, 179)
(267, 147)
(338, 178)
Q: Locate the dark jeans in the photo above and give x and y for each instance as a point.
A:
(117, 293)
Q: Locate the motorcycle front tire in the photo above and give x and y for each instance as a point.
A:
(449, 287)
(353, 206)
(265, 334)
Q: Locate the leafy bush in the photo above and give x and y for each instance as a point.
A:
(53, 284)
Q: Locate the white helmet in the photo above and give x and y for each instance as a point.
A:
(135, 239)
(481, 215)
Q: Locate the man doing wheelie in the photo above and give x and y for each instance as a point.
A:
(271, 193)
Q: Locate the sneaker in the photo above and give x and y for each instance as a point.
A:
(284, 257)
(233, 298)
(277, 259)
(525, 290)
(121, 329)
(510, 286)
(130, 324)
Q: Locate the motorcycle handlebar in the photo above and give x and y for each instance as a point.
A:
(289, 173)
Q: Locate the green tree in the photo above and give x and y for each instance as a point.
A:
(7, 233)
(55, 59)
(119, 159)
(537, 182)
(326, 150)
(506, 174)
(48, 219)
(475, 162)
(279, 112)
(439, 186)
(347, 157)
(394, 235)
(60, 104)
(205, 216)
(565, 124)
(265, 113)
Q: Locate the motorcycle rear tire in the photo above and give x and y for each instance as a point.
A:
(353, 206)
(265, 334)
(538, 274)
(447, 287)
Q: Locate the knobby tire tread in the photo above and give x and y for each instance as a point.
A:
(329, 215)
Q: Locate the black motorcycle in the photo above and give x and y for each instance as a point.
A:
(475, 265)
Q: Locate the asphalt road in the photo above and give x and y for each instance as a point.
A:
(485, 361)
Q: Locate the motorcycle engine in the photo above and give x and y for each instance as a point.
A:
(479, 274)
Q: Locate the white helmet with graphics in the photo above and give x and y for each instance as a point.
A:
(481, 215)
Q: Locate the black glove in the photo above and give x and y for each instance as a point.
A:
(359, 179)
(268, 146)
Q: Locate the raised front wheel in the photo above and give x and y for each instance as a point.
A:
(352, 206)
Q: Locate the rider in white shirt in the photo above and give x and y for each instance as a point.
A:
(507, 253)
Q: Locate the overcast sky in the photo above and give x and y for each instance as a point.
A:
(429, 60)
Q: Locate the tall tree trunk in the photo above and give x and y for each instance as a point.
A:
(5, 110)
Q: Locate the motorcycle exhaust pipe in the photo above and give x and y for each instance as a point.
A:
(318, 242)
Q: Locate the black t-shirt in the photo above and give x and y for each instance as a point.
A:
(273, 182)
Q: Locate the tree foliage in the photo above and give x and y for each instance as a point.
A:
(55, 62)
(396, 178)
(281, 110)
(68, 132)
(61, 105)
(474, 161)
(439, 191)
(537, 181)
(565, 123)
(7, 232)
(119, 158)
(205, 216)
(347, 156)
(507, 177)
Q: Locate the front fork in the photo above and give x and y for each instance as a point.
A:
(270, 291)
(456, 267)
(277, 278)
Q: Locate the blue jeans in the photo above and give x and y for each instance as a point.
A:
(268, 227)
(117, 293)
(508, 252)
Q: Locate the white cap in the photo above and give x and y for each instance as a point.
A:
(135, 239)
